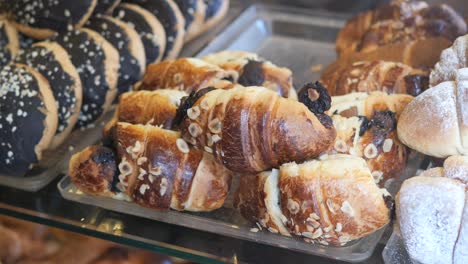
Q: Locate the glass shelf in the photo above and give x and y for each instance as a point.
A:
(48, 207)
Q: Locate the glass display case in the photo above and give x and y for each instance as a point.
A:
(297, 34)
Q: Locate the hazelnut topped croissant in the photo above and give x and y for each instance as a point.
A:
(253, 129)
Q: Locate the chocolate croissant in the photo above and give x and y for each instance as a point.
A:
(157, 169)
(399, 21)
(375, 140)
(253, 129)
(255, 71)
(185, 74)
(366, 104)
(157, 108)
(369, 76)
(331, 201)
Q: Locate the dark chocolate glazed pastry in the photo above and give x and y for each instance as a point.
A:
(51, 60)
(89, 57)
(212, 8)
(52, 15)
(28, 118)
(105, 6)
(8, 42)
(172, 20)
(115, 32)
(148, 27)
(187, 7)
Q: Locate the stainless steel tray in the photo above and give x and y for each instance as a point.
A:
(55, 161)
(294, 38)
(299, 39)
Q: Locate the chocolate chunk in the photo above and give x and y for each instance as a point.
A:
(316, 97)
(252, 74)
(187, 103)
(416, 84)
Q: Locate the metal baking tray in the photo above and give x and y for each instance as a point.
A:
(302, 40)
(55, 161)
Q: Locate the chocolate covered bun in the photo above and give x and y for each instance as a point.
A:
(129, 45)
(172, 20)
(149, 28)
(28, 118)
(97, 62)
(52, 61)
(41, 19)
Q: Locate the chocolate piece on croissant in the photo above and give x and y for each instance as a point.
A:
(186, 74)
(255, 71)
(94, 170)
(331, 201)
(252, 129)
(369, 76)
(159, 170)
(436, 122)
(375, 140)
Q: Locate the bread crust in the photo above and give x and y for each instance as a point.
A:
(369, 76)
(254, 129)
(186, 74)
(320, 200)
(159, 171)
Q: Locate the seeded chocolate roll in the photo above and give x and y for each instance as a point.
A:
(149, 28)
(215, 11)
(194, 14)
(106, 6)
(41, 19)
(97, 62)
(28, 118)
(9, 42)
(172, 20)
(129, 45)
(52, 61)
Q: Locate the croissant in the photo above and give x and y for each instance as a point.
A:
(185, 74)
(253, 129)
(436, 122)
(366, 104)
(255, 71)
(157, 169)
(451, 59)
(156, 108)
(400, 21)
(369, 76)
(332, 201)
(432, 213)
